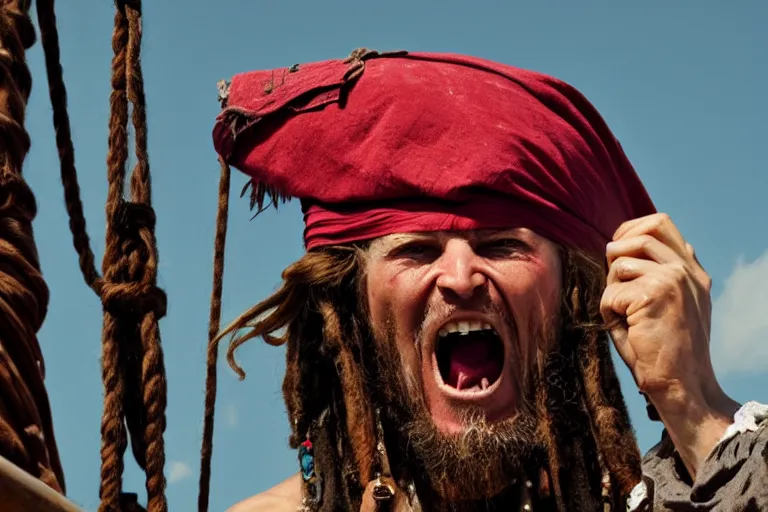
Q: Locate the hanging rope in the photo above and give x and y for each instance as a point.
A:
(26, 429)
(133, 371)
(133, 304)
(206, 453)
(49, 35)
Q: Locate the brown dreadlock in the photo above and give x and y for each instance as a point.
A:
(584, 425)
(133, 371)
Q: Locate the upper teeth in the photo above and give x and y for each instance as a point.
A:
(463, 327)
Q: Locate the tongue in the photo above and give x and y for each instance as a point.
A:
(472, 364)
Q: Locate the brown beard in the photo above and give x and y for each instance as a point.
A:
(477, 464)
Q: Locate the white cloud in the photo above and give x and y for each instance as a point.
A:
(231, 418)
(178, 471)
(740, 319)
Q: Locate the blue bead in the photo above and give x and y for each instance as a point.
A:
(307, 463)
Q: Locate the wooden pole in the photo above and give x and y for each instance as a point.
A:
(21, 492)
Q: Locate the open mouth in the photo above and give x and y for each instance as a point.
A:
(469, 355)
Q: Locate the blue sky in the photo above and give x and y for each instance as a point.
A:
(682, 87)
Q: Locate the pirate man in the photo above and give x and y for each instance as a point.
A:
(476, 239)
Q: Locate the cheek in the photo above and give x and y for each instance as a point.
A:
(392, 294)
(380, 298)
(532, 292)
(532, 295)
(393, 299)
(547, 284)
(535, 279)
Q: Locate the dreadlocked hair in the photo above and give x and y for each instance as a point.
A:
(319, 314)
(317, 311)
(584, 422)
(612, 427)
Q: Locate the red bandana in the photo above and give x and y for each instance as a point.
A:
(402, 142)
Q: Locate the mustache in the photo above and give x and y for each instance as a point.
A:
(438, 313)
(525, 361)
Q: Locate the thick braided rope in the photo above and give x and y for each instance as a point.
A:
(113, 435)
(26, 429)
(133, 304)
(153, 380)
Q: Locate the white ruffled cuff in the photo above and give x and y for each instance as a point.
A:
(636, 498)
(746, 419)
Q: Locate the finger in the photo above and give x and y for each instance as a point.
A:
(612, 309)
(646, 294)
(659, 226)
(692, 253)
(701, 275)
(627, 268)
(642, 246)
(616, 300)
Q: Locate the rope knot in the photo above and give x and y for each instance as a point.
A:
(129, 502)
(131, 217)
(133, 300)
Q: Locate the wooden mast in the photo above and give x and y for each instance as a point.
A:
(21, 492)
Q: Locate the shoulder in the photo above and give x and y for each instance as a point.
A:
(285, 496)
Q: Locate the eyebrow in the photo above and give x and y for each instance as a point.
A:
(388, 245)
(393, 242)
(469, 234)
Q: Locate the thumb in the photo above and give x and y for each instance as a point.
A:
(613, 308)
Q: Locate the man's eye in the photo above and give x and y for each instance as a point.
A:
(417, 251)
(504, 247)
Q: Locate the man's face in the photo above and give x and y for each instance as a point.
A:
(467, 312)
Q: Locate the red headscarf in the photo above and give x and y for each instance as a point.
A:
(402, 142)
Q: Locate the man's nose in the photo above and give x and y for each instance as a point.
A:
(460, 273)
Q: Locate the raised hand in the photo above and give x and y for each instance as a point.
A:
(657, 305)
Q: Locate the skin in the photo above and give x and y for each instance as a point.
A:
(657, 301)
(285, 496)
(427, 279)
